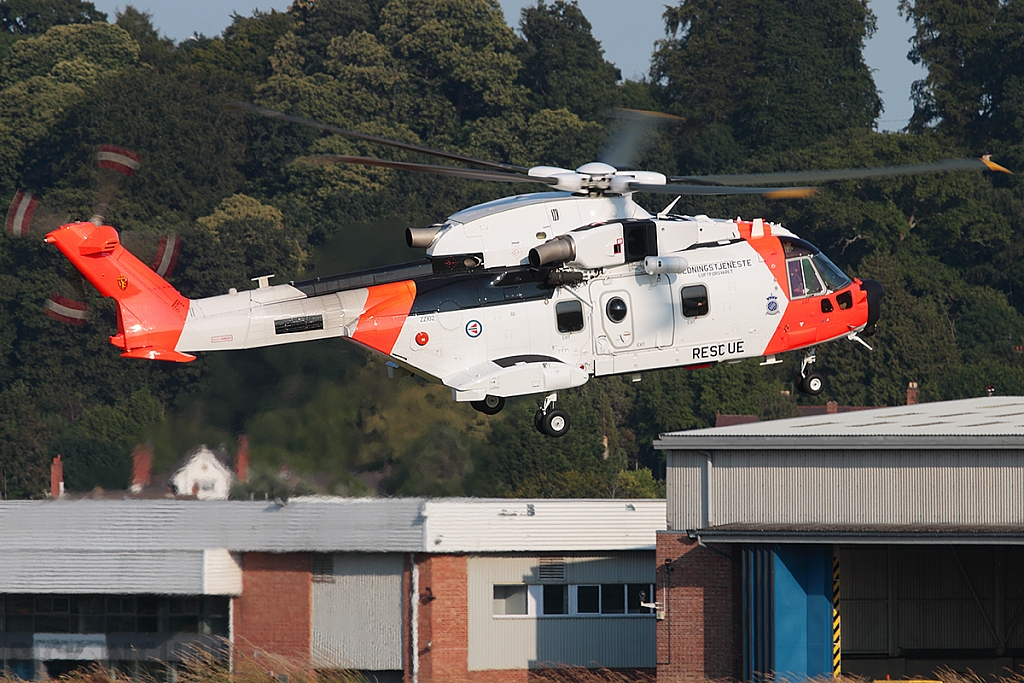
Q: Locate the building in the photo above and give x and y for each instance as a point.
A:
(413, 589)
(887, 543)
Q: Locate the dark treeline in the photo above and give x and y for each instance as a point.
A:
(761, 85)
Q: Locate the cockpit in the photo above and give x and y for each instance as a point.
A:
(810, 273)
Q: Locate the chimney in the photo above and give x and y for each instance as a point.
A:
(831, 408)
(242, 459)
(57, 478)
(142, 464)
(912, 394)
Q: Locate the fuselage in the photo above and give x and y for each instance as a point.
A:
(627, 292)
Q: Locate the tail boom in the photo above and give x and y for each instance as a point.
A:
(150, 312)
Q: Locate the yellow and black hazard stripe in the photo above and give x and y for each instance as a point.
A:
(836, 631)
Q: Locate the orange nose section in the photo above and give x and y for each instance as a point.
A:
(150, 312)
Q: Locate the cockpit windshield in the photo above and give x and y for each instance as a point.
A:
(810, 272)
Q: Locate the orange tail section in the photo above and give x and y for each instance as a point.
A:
(150, 312)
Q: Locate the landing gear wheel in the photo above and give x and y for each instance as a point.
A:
(538, 420)
(491, 405)
(555, 423)
(813, 384)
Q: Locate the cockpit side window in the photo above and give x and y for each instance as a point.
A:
(810, 272)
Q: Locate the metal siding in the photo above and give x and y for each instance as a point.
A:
(317, 525)
(357, 619)
(529, 642)
(848, 487)
(683, 481)
(509, 525)
(47, 571)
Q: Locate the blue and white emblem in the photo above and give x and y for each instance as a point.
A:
(474, 328)
(773, 305)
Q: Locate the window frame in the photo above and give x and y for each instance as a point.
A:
(682, 301)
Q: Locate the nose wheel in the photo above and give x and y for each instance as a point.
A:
(810, 382)
(551, 420)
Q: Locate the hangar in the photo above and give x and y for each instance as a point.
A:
(880, 543)
(399, 589)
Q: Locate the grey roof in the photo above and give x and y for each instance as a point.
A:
(902, 534)
(988, 422)
(352, 524)
(329, 524)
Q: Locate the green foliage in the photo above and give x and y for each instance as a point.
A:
(764, 86)
(30, 17)
(564, 66)
(779, 73)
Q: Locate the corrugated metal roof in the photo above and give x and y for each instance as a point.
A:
(987, 422)
(347, 524)
(508, 525)
(321, 524)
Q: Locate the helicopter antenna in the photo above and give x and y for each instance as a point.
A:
(664, 212)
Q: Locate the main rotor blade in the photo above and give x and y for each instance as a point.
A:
(984, 163)
(622, 150)
(769, 192)
(452, 171)
(271, 114)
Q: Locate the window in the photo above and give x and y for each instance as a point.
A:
(510, 599)
(695, 301)
(113, 614)
(569, 315)
(588, 599)
(613, 599)
(323, 567)
(845, 300)
(607, 599)
(556, 599)
(616, 309)
(641, 240)
(826, 305)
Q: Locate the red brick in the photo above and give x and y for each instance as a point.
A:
(274, 613)
(701, 636)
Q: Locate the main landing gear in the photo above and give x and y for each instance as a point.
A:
(810, 382)
(549, 420)
(491, 405)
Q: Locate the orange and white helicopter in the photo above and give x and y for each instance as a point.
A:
(533, 293)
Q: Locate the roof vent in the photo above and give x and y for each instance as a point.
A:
(323, 568)
(552, 569)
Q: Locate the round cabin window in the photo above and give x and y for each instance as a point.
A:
(616, 310)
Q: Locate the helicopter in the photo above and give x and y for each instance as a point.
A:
(531, 293)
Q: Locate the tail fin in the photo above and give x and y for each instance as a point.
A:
(150, 312)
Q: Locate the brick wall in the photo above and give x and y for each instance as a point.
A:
(443, 646)
(701, 636)
(274, 613)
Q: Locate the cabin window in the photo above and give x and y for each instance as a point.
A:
(826, 305)
(845, 301)
(616, 310)
(695, 301)
(569, 315)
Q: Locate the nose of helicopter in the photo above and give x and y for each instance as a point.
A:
(875, 291)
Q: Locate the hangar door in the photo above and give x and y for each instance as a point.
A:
(909, 609)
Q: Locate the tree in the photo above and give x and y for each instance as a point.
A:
(972, 50)
(778, 74)
(29, 17)
(563, 64)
